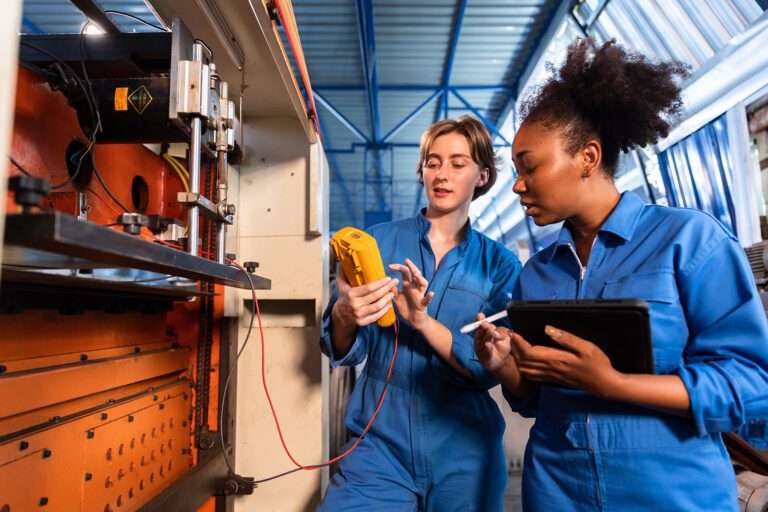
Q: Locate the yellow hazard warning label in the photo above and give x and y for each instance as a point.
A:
(121, 98)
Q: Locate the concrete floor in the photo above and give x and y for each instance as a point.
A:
(512, 499)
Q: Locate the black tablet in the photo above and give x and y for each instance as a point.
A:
(621, 327)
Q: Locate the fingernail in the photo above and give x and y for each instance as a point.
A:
(551, 331)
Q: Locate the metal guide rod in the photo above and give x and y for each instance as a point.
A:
(222, 200)
(193, 226)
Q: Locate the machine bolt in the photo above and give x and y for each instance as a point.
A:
(55, 419)
(251, 266)
(205, 442)
(162, 406)
(23, 445)
(43, 501)
(104, 416)
(47, 453)
(83, 357)
(132, 222)
(3, 368)
(88, 477)
(89, 434)
(154, 398)
(29, 191)
(130, 418)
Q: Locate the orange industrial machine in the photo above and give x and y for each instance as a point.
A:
(111, 340)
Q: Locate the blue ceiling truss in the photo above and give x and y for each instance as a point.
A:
(374, 146)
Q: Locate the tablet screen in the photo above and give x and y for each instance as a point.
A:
(620, 327)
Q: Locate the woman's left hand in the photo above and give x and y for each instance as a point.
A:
(412, 302)
(580, 364)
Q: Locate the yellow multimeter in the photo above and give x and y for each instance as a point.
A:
(360, 260)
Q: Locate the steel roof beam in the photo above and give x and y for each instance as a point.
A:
(340, 117)
(488, 124)
(413, 115)
(367, 40)
(450, 59)
(34, 27)
(414, 88)
(96, 15)
(552, 24)
(334, 168)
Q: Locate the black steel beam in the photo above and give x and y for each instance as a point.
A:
(58, 234)
(108, 56)
(93, 12)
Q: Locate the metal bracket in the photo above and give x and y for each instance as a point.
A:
(209, 210)
(237, 485)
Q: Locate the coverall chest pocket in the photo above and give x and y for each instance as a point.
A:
(464, 299)
(668, 326)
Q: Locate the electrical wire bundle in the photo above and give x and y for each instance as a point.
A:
(299, 467)
(64, 68)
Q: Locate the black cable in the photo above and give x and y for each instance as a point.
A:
(226, 385)
(97, 125)
(71, 71)
(35, 68)
(19, 167)
(101, 181)
(91, 106)
(97, 121)
(145, 22)
(224, 396)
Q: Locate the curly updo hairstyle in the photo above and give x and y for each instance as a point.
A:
(607, 92)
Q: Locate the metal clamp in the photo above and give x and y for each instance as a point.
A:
(238, 485)
(216, 212)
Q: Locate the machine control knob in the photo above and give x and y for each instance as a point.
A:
(29, 191)
(132, 222)
(251, 266)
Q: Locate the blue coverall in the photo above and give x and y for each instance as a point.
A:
(708, 328)
(436, 443)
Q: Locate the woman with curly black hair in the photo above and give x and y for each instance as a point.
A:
(604, 440)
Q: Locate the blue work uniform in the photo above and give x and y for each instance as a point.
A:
(436, 443)
(708, 328)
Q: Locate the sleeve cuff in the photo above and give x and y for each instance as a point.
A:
(526, 407)
(464, 353)
(351, 358)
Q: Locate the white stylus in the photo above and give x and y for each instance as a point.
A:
(474, 325)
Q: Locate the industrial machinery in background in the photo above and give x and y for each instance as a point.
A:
(111, 342)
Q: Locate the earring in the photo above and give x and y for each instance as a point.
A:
(584, 175)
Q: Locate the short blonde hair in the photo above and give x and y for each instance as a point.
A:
(480, 147)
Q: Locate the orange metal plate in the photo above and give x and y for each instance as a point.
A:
(44, 416)
(134, 457)
(69, 467)
(67, 382)
(44, 333)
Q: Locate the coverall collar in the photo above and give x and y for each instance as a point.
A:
(424, 225)
(622, 222)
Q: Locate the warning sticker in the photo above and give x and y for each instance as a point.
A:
(140, 99)
(121, 99)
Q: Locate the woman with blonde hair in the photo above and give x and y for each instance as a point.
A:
(436, 443)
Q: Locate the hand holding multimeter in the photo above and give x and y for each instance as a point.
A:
(361, 268)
